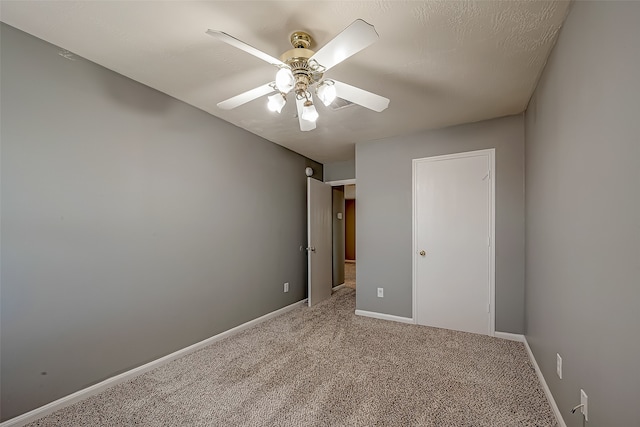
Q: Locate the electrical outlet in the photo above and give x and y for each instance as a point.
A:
(584, 401)
(559, 365)
(286, 287)
(380, 292)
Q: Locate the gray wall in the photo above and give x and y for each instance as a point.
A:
(133, 225)
(338, 171)
(583, 214)
(384, 215)
(338, 235)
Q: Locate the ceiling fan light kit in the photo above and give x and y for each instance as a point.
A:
(276, 102)
(326, 92)
(309, 112)
(301, 70)
(285, 81)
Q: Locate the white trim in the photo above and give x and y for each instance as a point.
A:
(308, 241)
(341, 182)
(335, 288)
(491, 152)
(492, 252)
(414, 245)
(543, 382)
(384, 316)
(79, 395)
(545, 387)
(509, 336)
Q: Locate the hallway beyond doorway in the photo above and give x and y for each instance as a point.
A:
(350, 274)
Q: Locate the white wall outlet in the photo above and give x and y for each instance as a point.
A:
(559, 365)
(286, 287)
(380, 292)
(585, 406)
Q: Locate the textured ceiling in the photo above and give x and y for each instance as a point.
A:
(439, 62)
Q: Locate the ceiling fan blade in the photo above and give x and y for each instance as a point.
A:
(350, 41)
(247, 96)
(305, 125)
(243, 46)
(361, 97)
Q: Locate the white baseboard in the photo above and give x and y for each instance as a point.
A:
(384, 316)
(509, 336)
(545, 387)
(79, 395)
(335, 288)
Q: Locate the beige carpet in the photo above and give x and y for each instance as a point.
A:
(324, 366)
(350, 275)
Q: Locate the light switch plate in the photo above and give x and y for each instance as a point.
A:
(559, 365)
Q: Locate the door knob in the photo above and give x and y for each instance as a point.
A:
(311, 249)
(423, 253)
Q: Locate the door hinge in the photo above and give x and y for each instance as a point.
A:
(488, 308)
(489, 241)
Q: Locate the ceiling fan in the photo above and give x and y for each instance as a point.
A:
(301, 70)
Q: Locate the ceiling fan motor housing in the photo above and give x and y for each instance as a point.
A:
(301, 39)
(298, 60)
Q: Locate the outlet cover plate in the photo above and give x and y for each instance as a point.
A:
(380, 292)
(286, 287)
(584, 400)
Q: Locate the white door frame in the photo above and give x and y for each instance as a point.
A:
(492, 215)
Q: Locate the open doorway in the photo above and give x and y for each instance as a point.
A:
(350, 236)
(344, 215)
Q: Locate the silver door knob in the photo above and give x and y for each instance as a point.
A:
(423, 253)
(311, 249)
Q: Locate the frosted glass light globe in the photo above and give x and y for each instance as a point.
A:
(309, 112)
(285, 80)
(327, 93)
(276, 102)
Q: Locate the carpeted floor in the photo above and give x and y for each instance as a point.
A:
(350, 275)
(324, 366)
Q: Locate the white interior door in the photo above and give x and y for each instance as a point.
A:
(453, 211)
(319, 243)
